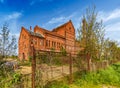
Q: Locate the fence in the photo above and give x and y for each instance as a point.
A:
(49, 65)
(52, 65)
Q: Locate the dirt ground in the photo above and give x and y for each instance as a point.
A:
(55, 72)
(25, 69)
(48, 72)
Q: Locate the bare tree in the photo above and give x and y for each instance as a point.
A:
(8, 44)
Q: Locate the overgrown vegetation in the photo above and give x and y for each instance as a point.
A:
(109, 76)
(91, 37)
(8, 76)
(8, 48)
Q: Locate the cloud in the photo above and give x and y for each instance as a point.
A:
(58, 20)
(12, 16)
(108, 16)
(113, 27)
(13, 21)
(37, 1)
(16, 35)
(111, 20)
(32, 2)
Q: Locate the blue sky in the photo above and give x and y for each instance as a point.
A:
(51, 13)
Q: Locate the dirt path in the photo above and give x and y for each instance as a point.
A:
(104, 86)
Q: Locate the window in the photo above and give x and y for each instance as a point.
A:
(24, 46)
(42, 42)
(57, 45)
(24, 37)
(54, 44)
(46, 42)
(69, 28)
(35, 42)
(49, 43)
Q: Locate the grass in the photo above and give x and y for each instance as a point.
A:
(98, 79)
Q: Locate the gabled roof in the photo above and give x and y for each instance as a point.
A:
(50, 32)
(55, 29)
(32, 33)
(35, 34)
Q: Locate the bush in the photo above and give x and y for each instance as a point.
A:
(56, 84)
(110, 76)
(83, 79)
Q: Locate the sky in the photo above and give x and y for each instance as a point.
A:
(49, 14)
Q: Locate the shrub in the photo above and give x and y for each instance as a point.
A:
(56, 84)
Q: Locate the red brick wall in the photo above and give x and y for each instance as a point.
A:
(63, 36)
(54, 42)
(70, 38)
(50, 41)
(24, 44)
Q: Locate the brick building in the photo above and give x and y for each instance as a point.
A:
(62, 36)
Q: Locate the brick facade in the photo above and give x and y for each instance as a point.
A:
(62, 36)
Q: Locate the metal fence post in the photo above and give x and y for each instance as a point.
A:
(70, 66)
(33, 65)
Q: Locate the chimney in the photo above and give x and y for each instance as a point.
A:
(30, 28)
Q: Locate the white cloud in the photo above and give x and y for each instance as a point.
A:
(108, 16)
(12, 20)
(113, 27)
(37, 1)
(59, 20)
(111, 20)
(56, 20)
(114, 15)
(12, 16)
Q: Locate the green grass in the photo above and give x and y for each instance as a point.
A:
(108, 77)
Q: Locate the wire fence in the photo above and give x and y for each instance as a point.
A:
(49, 65)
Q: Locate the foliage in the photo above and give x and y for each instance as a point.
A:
(63, 51)
(110, 76)
(50, 58)
(56, 60)
(91, 37)
(56, 84)
(12, 81)
(91, 34)
(14, 57)
(83, 79)
(42, 58)
(5, 70)
(8, 76)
